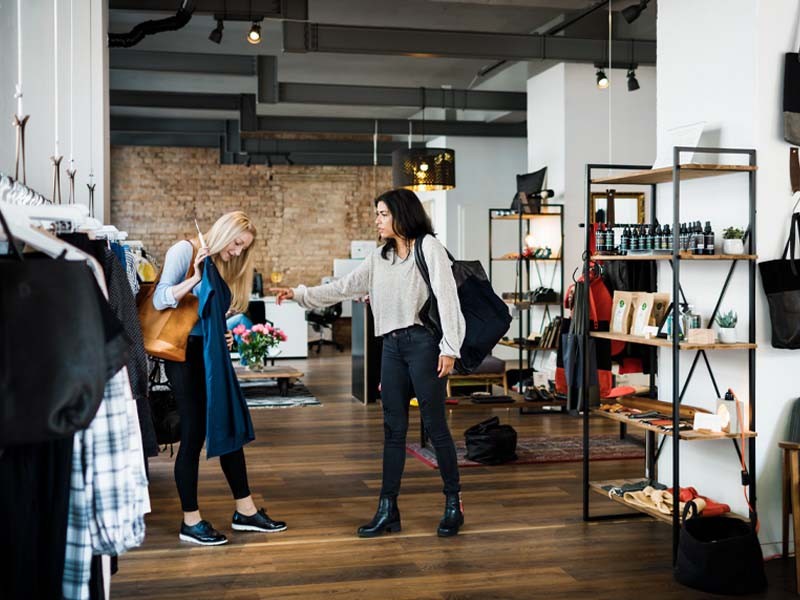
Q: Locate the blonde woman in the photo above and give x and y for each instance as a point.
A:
(229, 243)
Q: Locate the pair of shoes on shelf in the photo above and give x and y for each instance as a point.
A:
(542, 253)
(539, 394)
(203, 533)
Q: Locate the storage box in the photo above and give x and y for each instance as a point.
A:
(701, 336)
(362, 248)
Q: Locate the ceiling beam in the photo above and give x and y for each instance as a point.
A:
(233, 10)
(391, 126)
(363, 95)
(181, 62)
(339, 160)
(176, 100)
(183, 140)
(271, 91)
(124, 124)
(350, 39)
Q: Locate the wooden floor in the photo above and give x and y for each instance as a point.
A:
(318, 468)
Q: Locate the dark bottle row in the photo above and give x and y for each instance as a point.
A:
(694, 238)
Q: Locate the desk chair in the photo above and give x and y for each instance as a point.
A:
(324, 318)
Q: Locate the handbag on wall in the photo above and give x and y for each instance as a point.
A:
(781, 280)
(791, 98)
(166, 332)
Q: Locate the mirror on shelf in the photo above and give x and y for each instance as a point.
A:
(616, 207)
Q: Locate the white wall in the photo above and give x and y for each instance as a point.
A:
(38, 74)
(739, 96)
(569, 125)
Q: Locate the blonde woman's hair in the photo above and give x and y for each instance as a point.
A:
(238, 270)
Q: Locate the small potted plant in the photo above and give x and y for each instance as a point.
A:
(258, 343)
(727, 327)
(732, 241)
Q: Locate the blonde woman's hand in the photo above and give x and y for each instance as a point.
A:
(445, 365)
(198, 261)
(282, 294)
(229, 338)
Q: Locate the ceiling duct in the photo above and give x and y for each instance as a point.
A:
(140, 31)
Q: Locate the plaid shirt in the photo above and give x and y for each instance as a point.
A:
(108, 494)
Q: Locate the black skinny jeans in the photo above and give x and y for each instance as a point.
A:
(409, 368)
(188, 381)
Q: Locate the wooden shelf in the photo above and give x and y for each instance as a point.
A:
(525, 217)
(689, 435)
(597, 486)
(531, 258)
(524, 303)
(510, 344)
(664, 174)
(681, 257)
(634, 339)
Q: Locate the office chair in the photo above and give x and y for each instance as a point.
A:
(324, 318)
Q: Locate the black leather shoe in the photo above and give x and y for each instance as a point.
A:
(202, 533)
(257, 522)
(386, 519)
(453, 516)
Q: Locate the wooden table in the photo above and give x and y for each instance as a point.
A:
(284, 374)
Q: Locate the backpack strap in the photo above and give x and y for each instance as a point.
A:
(422, 266)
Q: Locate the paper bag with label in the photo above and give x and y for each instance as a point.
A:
(660, 306)
(621, 312)
(641, 313)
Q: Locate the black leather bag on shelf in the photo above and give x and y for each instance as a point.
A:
(719, 555)
(52, 347)
(490, 443)
(486, 315)
(781, 280)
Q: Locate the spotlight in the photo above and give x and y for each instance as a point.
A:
(269, 161)
(633, 83)
(254, 35)
(289, 161)
(631, 13)
(216, 35)
(602, 80)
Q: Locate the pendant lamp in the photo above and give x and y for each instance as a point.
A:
(424, 169)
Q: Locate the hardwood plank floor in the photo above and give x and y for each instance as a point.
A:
(319, 468)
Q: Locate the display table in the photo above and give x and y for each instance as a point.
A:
(284, 375)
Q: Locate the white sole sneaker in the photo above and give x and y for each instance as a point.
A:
(188, 538)
(257, 529)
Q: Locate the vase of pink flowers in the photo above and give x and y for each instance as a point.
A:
(258, 343)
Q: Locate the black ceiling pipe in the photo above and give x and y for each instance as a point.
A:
(138, 33)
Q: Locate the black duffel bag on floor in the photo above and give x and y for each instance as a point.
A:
(490, 443)
(719, 555)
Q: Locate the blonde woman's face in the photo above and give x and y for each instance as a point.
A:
(237, 246)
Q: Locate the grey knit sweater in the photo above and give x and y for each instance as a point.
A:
(397, 292)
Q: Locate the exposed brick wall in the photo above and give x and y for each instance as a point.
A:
(306, 215)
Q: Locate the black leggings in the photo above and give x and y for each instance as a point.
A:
(188, 381)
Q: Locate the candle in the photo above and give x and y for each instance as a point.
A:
(55, 71)
(19, 60)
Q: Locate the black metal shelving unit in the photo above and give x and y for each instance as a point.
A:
(676, 174)
(525, 223)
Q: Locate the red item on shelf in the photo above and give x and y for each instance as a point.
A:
(712, 509)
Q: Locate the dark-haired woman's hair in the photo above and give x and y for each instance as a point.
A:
(409, 218)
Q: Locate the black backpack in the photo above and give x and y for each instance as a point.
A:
(486, 315)
(163, 406)
(490, 443)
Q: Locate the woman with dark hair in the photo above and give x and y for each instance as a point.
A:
(414, 363)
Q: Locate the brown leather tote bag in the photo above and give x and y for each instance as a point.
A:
(166, 332)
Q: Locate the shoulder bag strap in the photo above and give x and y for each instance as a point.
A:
(422, 266)
(789, 248)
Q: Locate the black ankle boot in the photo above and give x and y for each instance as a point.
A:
(453, 517)
(387, 518)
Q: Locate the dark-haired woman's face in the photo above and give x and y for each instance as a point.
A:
(384, 221)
